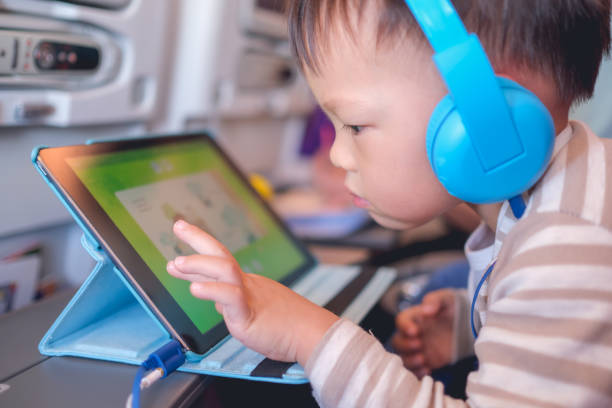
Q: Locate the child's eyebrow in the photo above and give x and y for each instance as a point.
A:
(344, 106)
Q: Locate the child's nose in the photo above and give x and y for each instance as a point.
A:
(341, 153)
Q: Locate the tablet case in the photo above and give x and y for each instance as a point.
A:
(107, 320)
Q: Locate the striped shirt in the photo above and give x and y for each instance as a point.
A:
(546, 311)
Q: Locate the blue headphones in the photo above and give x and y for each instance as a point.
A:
(489, 139)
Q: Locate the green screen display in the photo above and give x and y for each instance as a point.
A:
(144, 191)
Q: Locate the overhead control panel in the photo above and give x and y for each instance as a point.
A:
(72, 63)
(55, 60)
(33, 53)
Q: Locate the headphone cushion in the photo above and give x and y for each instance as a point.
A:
(456, 164)
(438, 116)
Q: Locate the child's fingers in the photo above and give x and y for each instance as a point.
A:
(404, 344)
(431, 305)
(191, 277)
(414, 362)
(231, 298)
(422, 372)
(212, 267)
(219, 307)
(199, 240)
(406, 322)
(438, 301)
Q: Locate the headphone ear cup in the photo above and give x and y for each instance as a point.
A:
(436, 121)
(457, 165)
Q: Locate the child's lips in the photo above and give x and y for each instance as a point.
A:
(360, 201)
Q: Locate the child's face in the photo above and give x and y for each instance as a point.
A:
(380, 102)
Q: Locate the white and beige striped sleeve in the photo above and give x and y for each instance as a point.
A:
(547, 340)
(350, 368)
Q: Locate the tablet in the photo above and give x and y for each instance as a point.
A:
(128, 194)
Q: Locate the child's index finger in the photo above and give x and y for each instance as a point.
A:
(200, 241)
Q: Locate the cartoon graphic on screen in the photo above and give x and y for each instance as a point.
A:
(202, 199)
(231, 211)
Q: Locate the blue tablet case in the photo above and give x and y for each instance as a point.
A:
(107, 320)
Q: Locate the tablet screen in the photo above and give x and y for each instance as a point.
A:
(145, 190)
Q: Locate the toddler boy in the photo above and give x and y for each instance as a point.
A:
(543, 316)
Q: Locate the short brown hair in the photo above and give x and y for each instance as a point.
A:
(566, 39)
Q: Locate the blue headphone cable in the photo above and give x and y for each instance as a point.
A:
(517, 204)
(484, 278)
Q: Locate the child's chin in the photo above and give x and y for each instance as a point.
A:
(392, 223)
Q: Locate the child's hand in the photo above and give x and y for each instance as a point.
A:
(425, 333)
(263, 314)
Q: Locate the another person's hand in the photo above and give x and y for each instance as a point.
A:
(424, 333)
(261, 313)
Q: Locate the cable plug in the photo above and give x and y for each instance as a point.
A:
(163, 361)
(169, 357)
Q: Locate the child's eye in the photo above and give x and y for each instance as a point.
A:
(354, 129)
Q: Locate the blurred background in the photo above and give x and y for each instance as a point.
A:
(76, 70)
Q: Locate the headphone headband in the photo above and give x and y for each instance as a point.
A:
(471, 81)
(440, 23)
